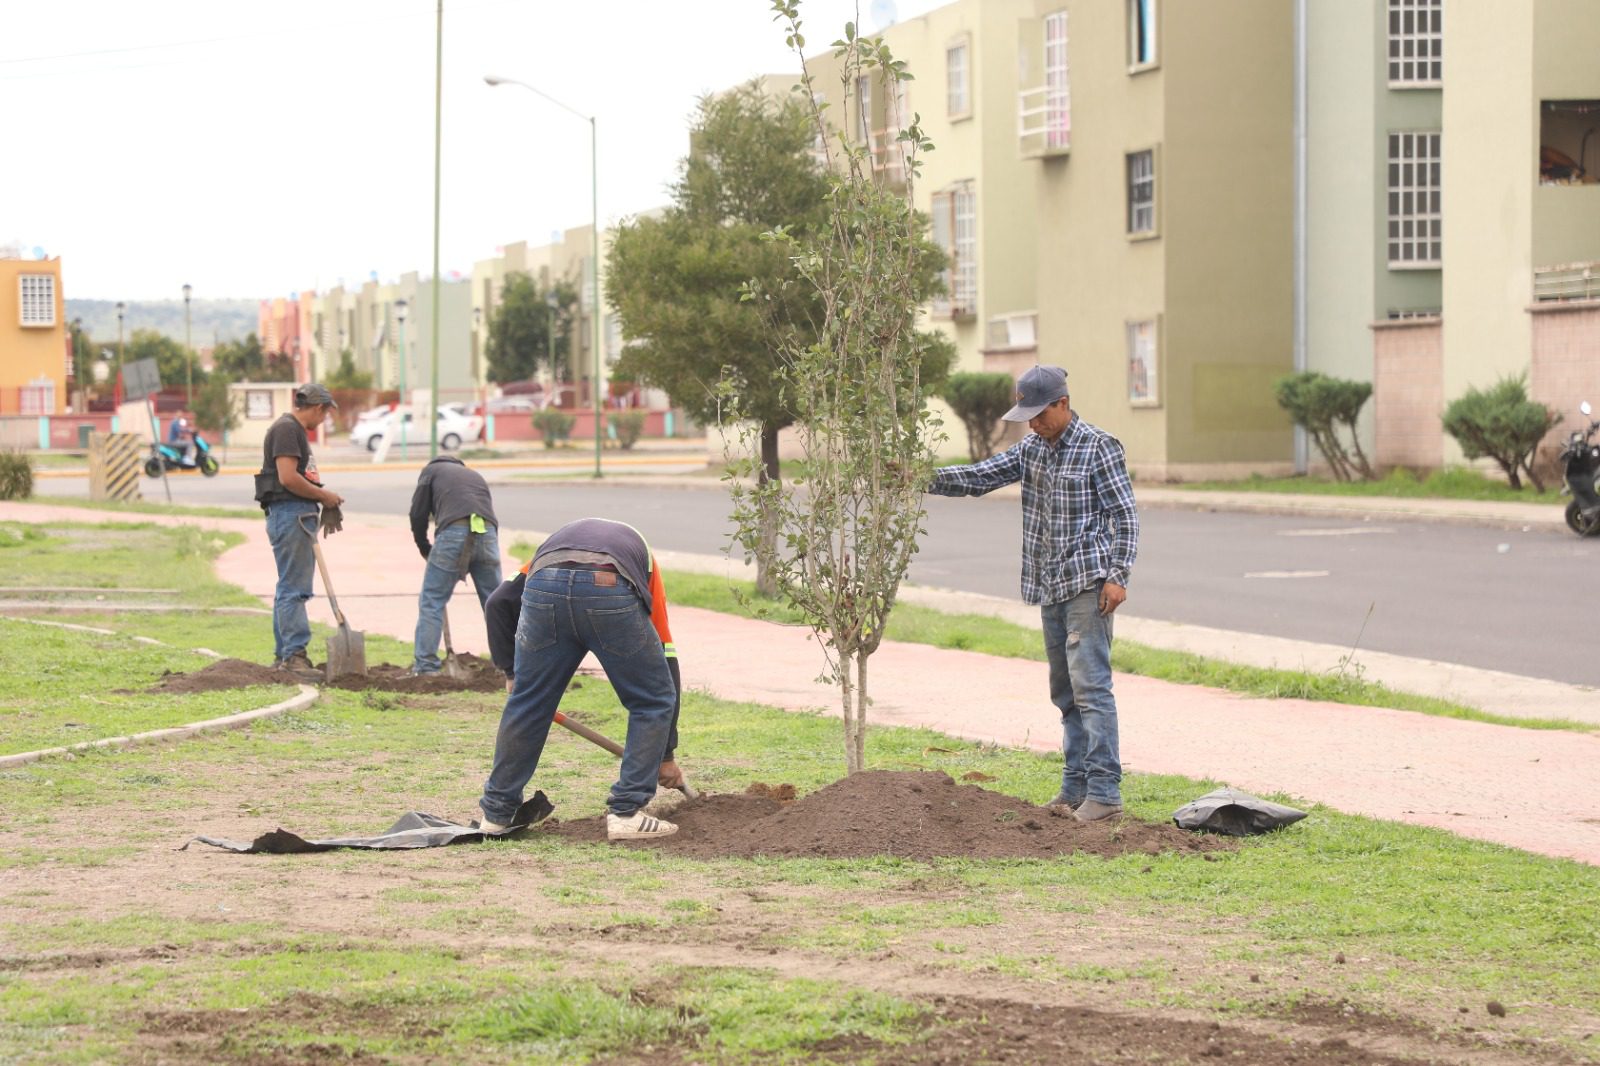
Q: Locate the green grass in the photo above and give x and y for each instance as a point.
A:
(119, 555)
(1452, 483)
(506, 953)
(68, 694)
(980, 633)
(135, 507)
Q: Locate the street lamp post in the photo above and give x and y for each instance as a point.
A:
(594, 253)
(116, 386)
(188, 348)
(551, 303)
(404, 407)
(477, 330)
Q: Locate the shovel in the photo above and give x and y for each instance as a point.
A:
(453, 669)
(612, 746)
(347, 649)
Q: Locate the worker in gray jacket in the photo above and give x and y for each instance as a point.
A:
(464, 542)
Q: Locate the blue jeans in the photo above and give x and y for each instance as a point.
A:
(564, 615)
(291, 549)
(445, 564)
(1077, 640)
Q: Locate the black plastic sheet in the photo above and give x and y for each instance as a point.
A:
(1234, 813)
(413, 830)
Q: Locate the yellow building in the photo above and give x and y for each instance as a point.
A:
(35, 359)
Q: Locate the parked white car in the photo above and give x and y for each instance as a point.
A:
(455, 428)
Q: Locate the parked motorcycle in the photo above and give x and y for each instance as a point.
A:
(171, 457)
(1580, 460)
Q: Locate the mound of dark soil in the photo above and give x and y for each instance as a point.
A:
(913, 814)
(224, 673)
(480, 676)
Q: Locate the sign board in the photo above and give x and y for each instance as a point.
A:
(140, 378)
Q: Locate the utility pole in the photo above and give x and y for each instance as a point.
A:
(188, 348)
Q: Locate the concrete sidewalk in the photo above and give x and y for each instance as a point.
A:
(1530, 789)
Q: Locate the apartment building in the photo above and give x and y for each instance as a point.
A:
(1158, 138)
(35, 351)
(976, 186)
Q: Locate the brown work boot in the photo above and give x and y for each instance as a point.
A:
(299, 664)
(1063, 800)
(1095, 811)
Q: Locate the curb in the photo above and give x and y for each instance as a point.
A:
(307, 696)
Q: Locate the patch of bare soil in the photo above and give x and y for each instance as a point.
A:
(245, 1035)
(914, 814)
(960, 1031)
(224, 673)
(480, 675)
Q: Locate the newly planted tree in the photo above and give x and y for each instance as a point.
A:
(847, 529)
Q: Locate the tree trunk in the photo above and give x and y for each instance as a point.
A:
(861, 711)
(770, 472)
(849, 702)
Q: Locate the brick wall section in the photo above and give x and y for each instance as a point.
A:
(1408, 393)
(1566, 364)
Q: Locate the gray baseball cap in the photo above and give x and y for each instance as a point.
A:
(1037, 388)
(311, 395)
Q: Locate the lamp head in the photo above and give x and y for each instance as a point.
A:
(493, 79)
(187, 289)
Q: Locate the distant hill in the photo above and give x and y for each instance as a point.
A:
(212, 320)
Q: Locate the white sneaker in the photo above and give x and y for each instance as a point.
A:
(636, 826)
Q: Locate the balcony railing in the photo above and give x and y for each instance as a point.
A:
(1044, 121)
(1571, 281)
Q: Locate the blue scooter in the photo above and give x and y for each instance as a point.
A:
(170, 457)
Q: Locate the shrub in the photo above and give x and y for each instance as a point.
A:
(16, 476)
(555, 426)
(214, 411)
(628, 427)
(1320, 405)
(1502, 424)
(979, 400)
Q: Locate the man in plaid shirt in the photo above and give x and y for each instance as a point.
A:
(1080, 534)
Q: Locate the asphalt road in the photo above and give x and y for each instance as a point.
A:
(1517, 602)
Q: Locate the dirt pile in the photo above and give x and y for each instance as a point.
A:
(912, 814)
(224, 673)
(480, 675)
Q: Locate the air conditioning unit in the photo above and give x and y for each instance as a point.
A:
(1019, 330)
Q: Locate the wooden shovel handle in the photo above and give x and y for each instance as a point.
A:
(610, 745)
(322, 568)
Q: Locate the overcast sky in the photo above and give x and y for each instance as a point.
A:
(254, 148)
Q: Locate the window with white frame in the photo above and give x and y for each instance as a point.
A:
(38, 397)
(964, 287)
(1143, 369)
(1141, 34)
(1142, 192)
(37, 299)
(1057, 101)
(1413, 208)
(955, 229)
(958, 81)
(1416, 42)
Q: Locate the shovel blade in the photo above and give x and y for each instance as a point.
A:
(347, 653)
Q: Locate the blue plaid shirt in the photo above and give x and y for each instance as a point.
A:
(1079, 521)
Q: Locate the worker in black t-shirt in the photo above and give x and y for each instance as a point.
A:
(289, 490)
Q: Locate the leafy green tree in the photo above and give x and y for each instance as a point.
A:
(347, 376)
(979, 400)
(519, 329)
(214, 410)
(246, 360)
(1501, 423)
(856, 381)
(676, 279)
(172, 359)
(1321, 405)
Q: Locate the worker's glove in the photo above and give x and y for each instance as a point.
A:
(331, 522)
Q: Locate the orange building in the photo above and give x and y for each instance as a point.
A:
(35, 357)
